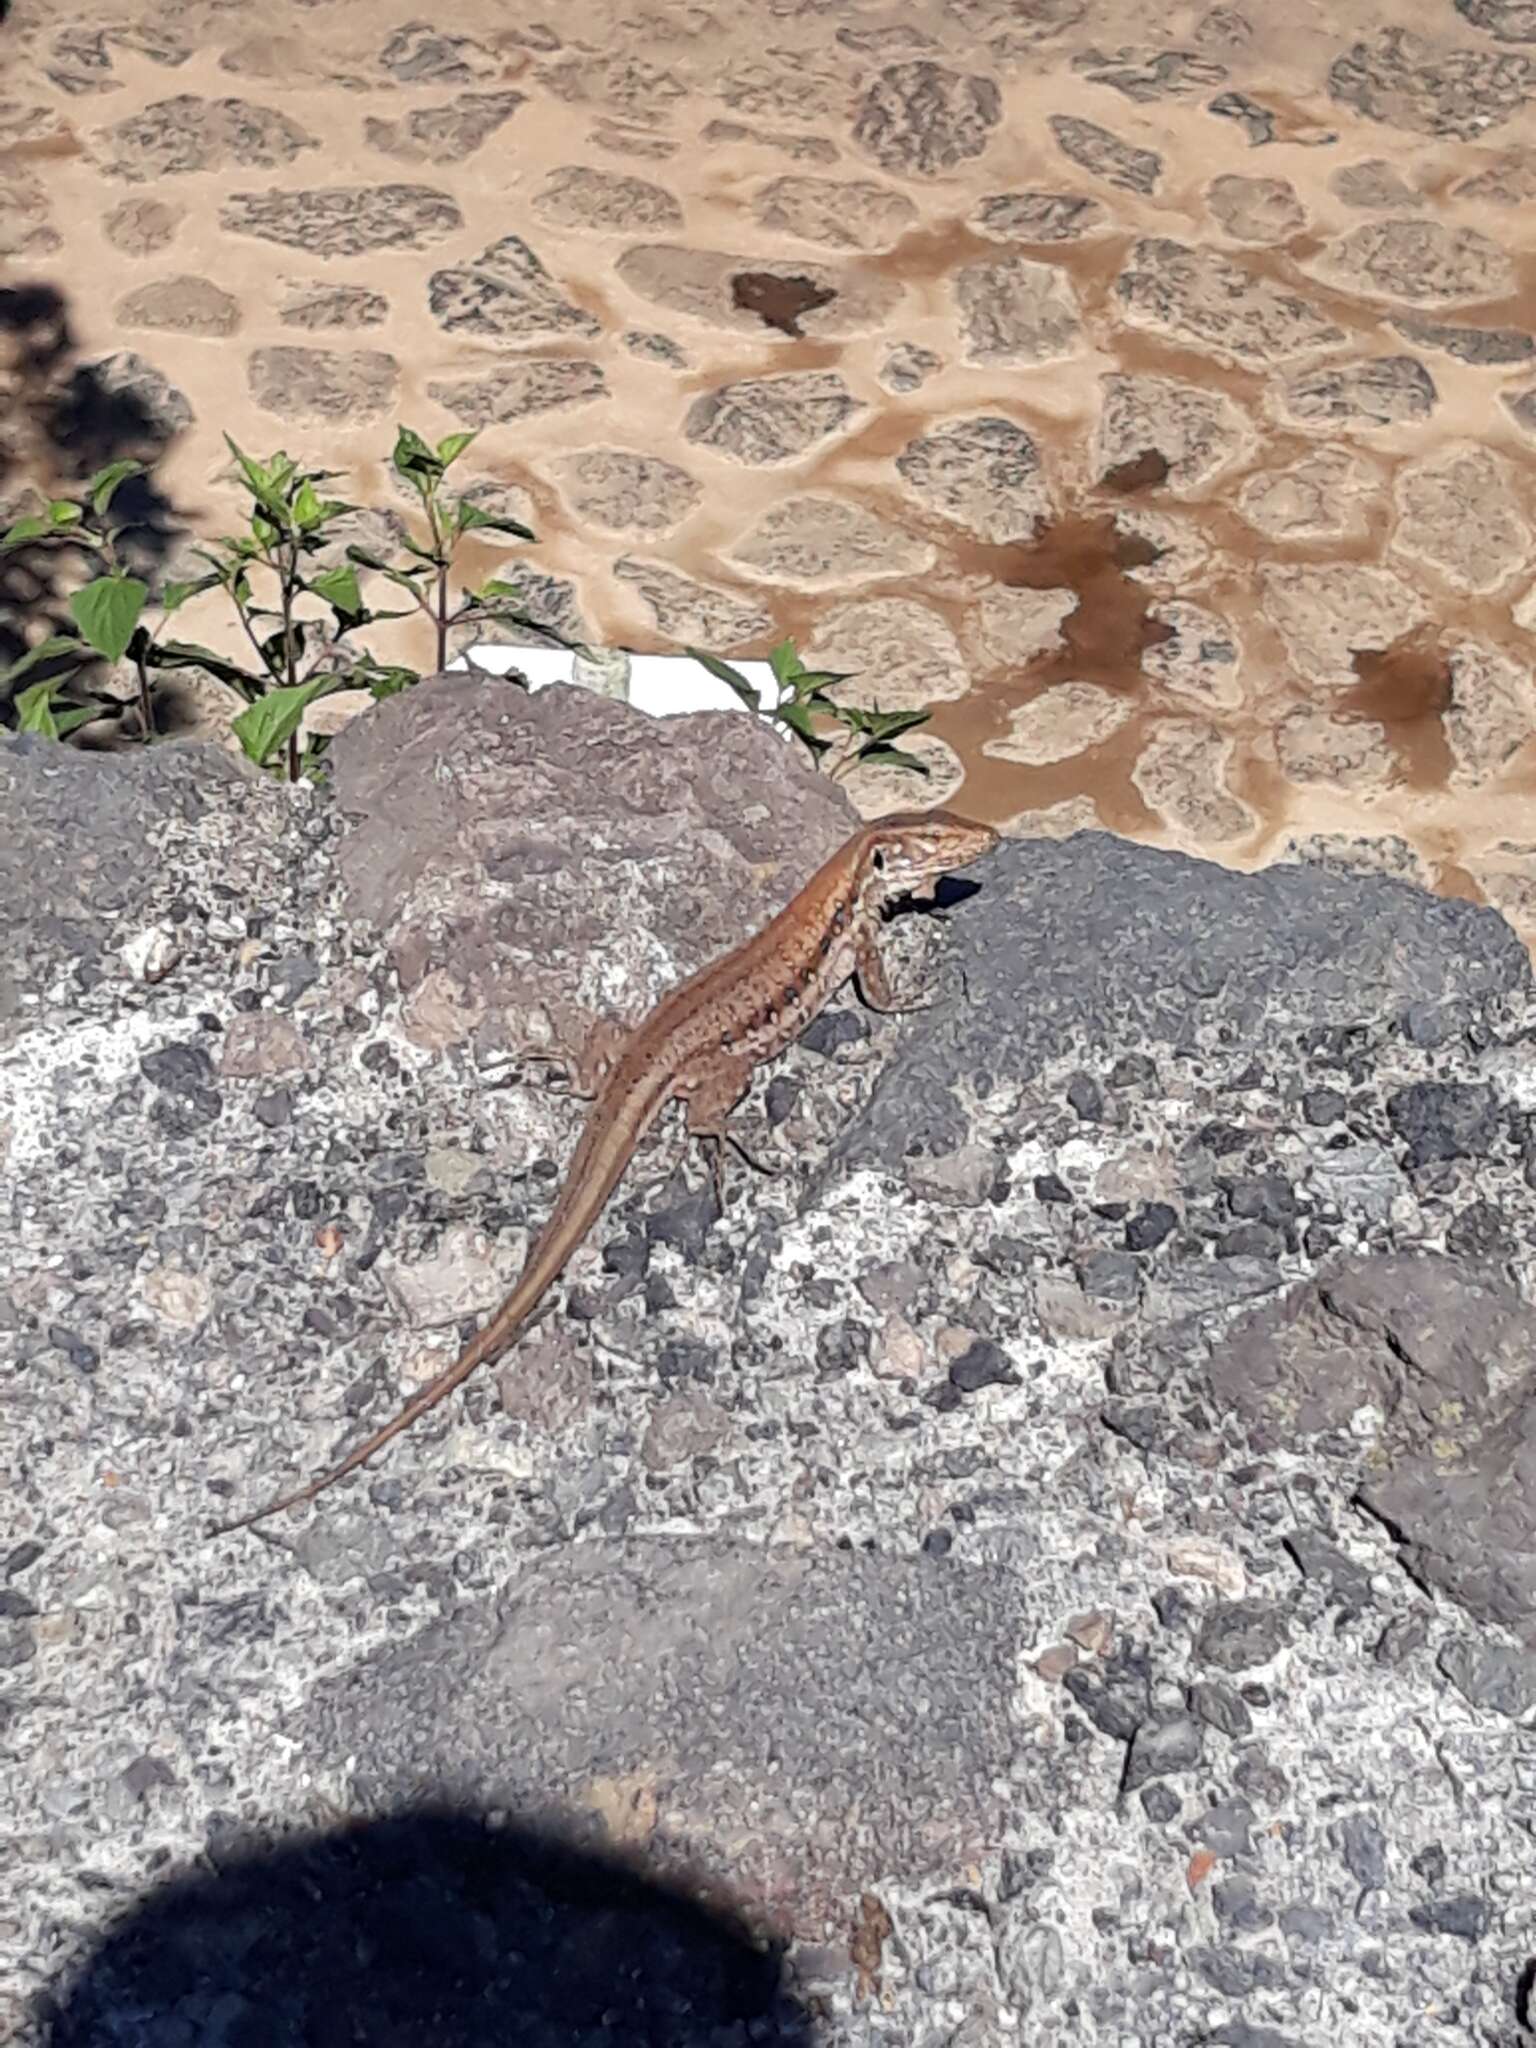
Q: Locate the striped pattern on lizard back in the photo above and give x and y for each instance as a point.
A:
(699, 1045)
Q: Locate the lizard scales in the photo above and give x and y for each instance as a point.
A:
(699, 1046)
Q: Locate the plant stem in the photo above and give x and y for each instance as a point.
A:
(146, 701)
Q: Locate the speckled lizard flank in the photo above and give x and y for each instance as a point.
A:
(699, 1047)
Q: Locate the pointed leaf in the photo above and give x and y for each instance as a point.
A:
(413, 458)
(104, 485)
(273, 719)
(339, 589)
(798, 719)
(785, 663)
(174, 595)
(389, 682)
(77, 715)
(723, 672)
(62, 513)
(452, 446)
(306, 511)
(51, 649)
(107, 611)
(879, 750)
(34, 709)
(187, 654)
(31, 526)
(470, 518)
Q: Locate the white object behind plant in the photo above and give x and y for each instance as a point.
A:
(662, 684)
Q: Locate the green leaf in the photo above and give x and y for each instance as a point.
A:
(723, 672)
(103, 486)
(785, 663)
(175, 594)
(187, 654)
(880, 750)
(796, 716)
(77, 715)
(889, 725)
(34, 709)
(497, 588)
(264, 481)
(367, 559)
(107, 611)
(32, 526)
(339, 589)
(422, 554)
(306, 509)
(269, 723)
(389, 682)
(64, 512)
(452, 446)
(414, 459)
(470, 518)
(50, 649)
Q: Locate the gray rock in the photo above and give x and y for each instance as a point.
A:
(1097, 150)
(1162, 1749)
(1219, 1707)
(344, 220)
(1238, 1906)
(1489, 1675)
(1363, 1848)
(1348, 1584)
(1478, 345)
(1238, 1635)
(1427, 89)
(1130, 920)
(1444, 1119)
(1466, 1916)
(921, 119)
(749, 1669)
(1226, 1829)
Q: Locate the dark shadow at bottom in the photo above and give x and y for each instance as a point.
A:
(429, 1927)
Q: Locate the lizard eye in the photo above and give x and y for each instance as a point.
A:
(878, 860)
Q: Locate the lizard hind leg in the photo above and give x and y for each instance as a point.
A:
(708, 1098)
(585, 1072)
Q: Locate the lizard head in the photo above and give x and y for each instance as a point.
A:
(905, 853)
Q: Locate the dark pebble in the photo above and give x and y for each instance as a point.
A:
(1237, 1905)
(1463, 1915)
(1086, 1098)
(1147, 1229)
(1323, 1106)
(832, 1030)
(1238, 1634)
(1133, 1070)
(1363, 1847)
(984, 1364)
(1115, 1693)
(1444, 1119)
(1161, 1803)
(1250, 1241)
(1219, 1707)
(1160, 1748)
(1050, 1187)
(1263, 1198)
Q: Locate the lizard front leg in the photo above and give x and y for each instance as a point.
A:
(875, 984)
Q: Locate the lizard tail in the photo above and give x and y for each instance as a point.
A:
(604, 1151)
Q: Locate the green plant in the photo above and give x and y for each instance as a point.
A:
(802, 700)
(298, 616)
(106, 610)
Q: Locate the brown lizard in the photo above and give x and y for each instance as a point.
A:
(699, 1046)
